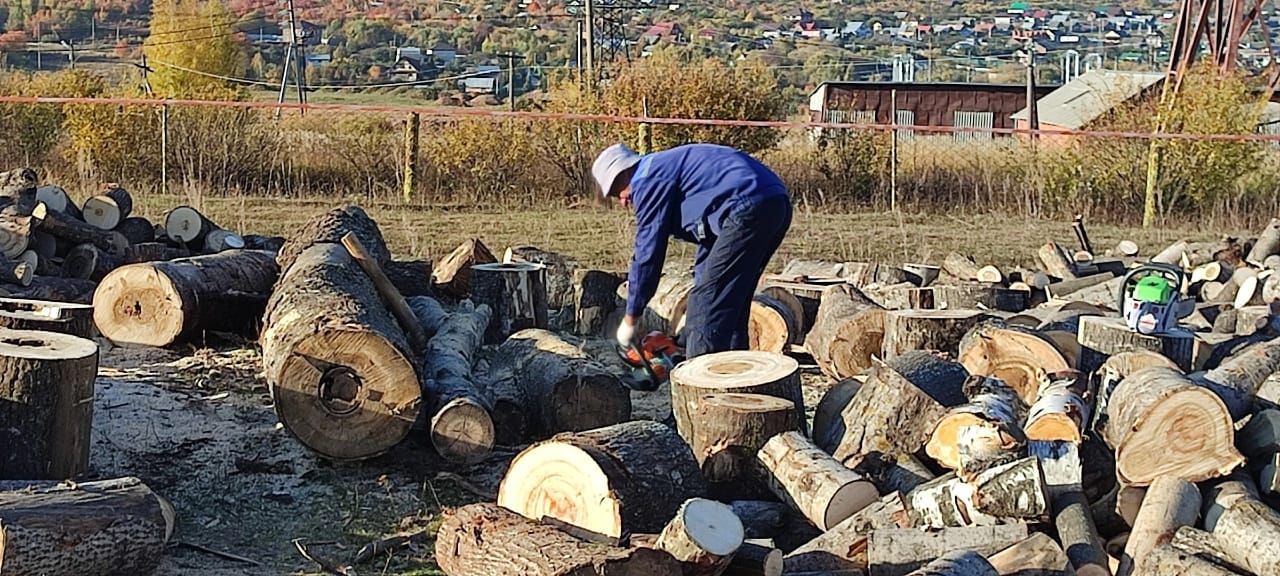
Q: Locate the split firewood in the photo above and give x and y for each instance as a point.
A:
(897, 408)
(984, 432)
(486, 539)
(1219, 292)
(940, 330)
(859, 274)
(326, 312)
(740, 372)
(46, 403)
(1059, 290)
(760, 519)
(960, 267)
(1249, 533)
(626, 478)
(1238, 379)
(813, 483)
(89, 262)
(1011, 491)
(1060, 411)
(896, 296)
(461, 426)
(921, 275)
(556, 386)
(1172, 254)
(1102, 295)
(160, 303)
(703, 536)
(1054, 261)
(594, 299)
(776, 321)
(844, 546)
(912, 552)
(727, 432)
(64, 317)
(517, 294)
(1021, 358)
(990, 275)
(105, 211)
(76, 232)
(666, 310)
(453, 274)
(1145, 413)
(1038, 555)
(848, 332)
(1169, 504)
(111, 528)
(137, 230)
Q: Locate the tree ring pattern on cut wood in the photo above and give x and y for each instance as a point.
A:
(750, 372)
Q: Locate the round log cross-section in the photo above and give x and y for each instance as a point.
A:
(732, 372)
(46, 404)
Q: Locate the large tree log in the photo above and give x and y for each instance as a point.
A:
(1011, 491)
(46, 404)
(517, 294)
(1260, 436)
(1267, 244)
(594, 300)
(859, 274)
(623, 479)
(337, 362)
(1114, 370)
(187, 227)
(703, 536)
(67, 318)
(776, 321)
(452, 275)
(1206, 546)
(137, 230)
(89, 262)
(940, 330)
(1020, 358)
(461, 427)
(1064, 482)
(1238, 379)
(828, 421)
(487, 540)
(1170, 503)
(410, 277)
(1108, 336)
(848, 332)
(812, 482)
(756, 560)
(107, 528)
(902, 551)
(76, 232)
(743, 372)
(1060, 412)
(153, 252)
(844, 546)
(559, 276)
(1249, 532)
(1038, 555)
(727, 432)
(327, 228)
(561, 388)
(58, 199)
(898, 406)
(106, 210)
(1148, 416)
(983, 432)
(160, 303)
(959, 563)
(75, 290)
(1060, 290)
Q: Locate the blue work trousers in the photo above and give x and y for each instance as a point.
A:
(728, 269)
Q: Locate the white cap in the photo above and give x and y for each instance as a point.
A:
(612, 162)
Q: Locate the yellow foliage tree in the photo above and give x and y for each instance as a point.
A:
(192, 44)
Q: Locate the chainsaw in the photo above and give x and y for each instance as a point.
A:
(651, 362)
(1149, 298)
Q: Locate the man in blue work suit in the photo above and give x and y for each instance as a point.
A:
(733, 207)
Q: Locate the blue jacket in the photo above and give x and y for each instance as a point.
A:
(686, 192)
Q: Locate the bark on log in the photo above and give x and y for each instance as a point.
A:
(970, 296)
(1222, 493)
(1114, 370)
(410, 277)
(828, 421)
(1059, 290)
(901, 473)
(1147, 414)
(62, 317)
(727, 432)
(844, 546)
(808, 295)
(137, 230)
(703, 536)
(1060, 412)
(561, 389)
(848, 332)
(221, 241)
(1170, 503)
(487, 540)
(1011, 491)
(761, 519)
(1079, 535)
(58, 199)
(1038, 555)
(984, 432)
(153, 252)
(940, 330)
(108, 528)
(76, 232)
(88, 262)
(517, 294)
(960, 267)
(269, 243)
(452, 275)
(46, 403)
(1249, 532)
(386, 291)
(622, 479)
(1110, 336)
(461, 426)
(1165, 560)
(1267, 244)
(325, 311)
(896, 409)
(1206, 546)
(903, 551)
(187, 226)
(859, 274)
(1260, 437)
(16, 272)
(160, 303)
(1055, 262)
(105, 211)
(57, 289)
(327, 228)
(756, 560)
(559, 275)
(742, 372)
(594, 300)
(1172, 254)
(1020, 358)
(960, 563)
(775, 322)
(1240, 376)
(813, 483)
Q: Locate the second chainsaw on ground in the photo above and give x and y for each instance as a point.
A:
(1150, 298)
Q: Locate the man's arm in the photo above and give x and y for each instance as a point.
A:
(653, 219)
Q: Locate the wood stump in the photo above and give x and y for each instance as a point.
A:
(461, 426)
(64, 317)
(742, 372)
(337, 362)
(1160, 423)
(727, 432)
(160, 303)
(46, 404)
(488, 540)
(108, 209)
(848, 332)
(776, 321)
(109, 528)
(703, 536)
(623, 479)
(594, 300)
(559, 276)
(1020, 358)
(452, 276)
(517, 294)
(813, 483)
(940, 330)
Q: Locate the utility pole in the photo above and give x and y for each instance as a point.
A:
(577, 60)
(590, 41)
(511, 78)
(292, 59)
(39, 52)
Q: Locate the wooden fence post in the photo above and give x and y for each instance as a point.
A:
(410, 154)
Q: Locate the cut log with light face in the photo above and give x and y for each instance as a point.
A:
(1021, 358)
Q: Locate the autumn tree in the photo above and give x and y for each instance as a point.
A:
(192, 45)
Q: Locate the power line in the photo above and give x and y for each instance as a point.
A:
(313, 87)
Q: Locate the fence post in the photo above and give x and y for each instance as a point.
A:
(893, 151)
(164, 148)
(646, 131)
(410, 154)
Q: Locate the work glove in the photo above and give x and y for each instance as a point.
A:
(626, 333)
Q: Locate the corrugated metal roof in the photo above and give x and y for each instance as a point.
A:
(1089, 96)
